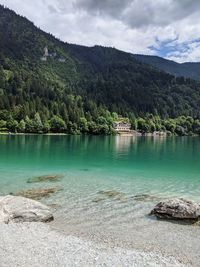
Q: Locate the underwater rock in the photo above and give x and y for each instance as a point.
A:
(98, 199)
(111, 194)
(177, 209)
(54, 206)
(37, 193)
(145, 197)
(45, 178)
(19, 209)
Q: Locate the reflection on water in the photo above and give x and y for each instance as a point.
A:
(124, 143)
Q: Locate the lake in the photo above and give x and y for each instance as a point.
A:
(132, 165)
(110, 184)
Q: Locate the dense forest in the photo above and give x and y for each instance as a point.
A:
(187, 69)
(77, 89)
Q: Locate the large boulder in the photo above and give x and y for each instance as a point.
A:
(19, 209)
(177, 209)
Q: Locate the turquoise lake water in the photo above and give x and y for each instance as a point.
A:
(131, 166)
(134, 165)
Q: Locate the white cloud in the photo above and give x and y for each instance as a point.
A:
(130, 25)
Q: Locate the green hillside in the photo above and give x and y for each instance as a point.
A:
(187, 70)
(80, 89)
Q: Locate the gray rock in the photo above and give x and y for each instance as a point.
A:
(19, 209)
(177, 209)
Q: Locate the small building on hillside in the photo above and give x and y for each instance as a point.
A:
(121, 126)
(53, 55)
(62, 59)
(43, 58)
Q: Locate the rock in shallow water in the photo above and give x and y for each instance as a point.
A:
(111, 195)
(20, 209)
(177, 209)
(146, 197)
(37, 193)
(45, 178)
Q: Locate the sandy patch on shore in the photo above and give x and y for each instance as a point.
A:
(36, 244)
(166, 238)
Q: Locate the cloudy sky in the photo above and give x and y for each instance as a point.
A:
(168, 28)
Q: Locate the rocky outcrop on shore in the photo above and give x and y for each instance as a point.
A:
(19, 209)
(177, 209)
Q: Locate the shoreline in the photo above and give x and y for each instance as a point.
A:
(167, 239)
(55, 249)
(47, 134)
(135, 134)
(148, 242)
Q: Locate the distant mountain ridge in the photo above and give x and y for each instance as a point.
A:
(187, 69)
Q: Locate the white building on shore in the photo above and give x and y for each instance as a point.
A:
(121, 126)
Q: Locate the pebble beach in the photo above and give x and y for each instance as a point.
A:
(36, 244)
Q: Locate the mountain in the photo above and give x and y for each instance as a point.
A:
(188, 69)
(43, 78)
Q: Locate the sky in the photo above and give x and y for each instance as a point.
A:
(167, 28)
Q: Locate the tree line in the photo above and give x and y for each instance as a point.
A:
(102, 125)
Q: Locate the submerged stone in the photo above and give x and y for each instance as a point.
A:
(19, 209)
(177, 209)
(145, 197)
(54, 206)
(45, 178)
(98, 199)
(111, 194)
(37, 193)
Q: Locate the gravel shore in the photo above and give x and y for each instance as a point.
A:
(37, 245)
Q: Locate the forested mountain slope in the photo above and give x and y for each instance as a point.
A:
(187, 70)
(81, 86)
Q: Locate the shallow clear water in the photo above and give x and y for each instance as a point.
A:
(129, 166)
